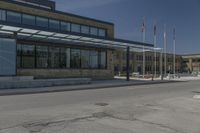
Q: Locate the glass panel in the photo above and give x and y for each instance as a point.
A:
(28, 19)
(93, 59)
(54, 57)
(76, 28)
(75, 58)
(42, 56)
(54, 24)
(85, 29)
(102, 32)
(65, 26)
(2, 15)
(42, 22)
(19, 49)
(13, 17)
(102, 59)
(65, 58)
(93, 31)
(28, 56)
(85, 58)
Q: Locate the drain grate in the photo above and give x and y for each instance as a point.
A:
(101, 104)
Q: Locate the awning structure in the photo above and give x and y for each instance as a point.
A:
(46, 36)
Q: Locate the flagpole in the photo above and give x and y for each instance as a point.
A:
(174, 41)
(165, 51)
(155, 71)
(143, 40)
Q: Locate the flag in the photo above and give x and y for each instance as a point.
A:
(154, 28)
(143, 25)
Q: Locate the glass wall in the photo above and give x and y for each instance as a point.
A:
(27, 19)
(2, 15)
(54, 54)
(13, 17)
(38, 56)
(85, 58)
(75, 58)
(42, 22)
(75, 28)
(28, 56)
(54, 24)
(42, 56)
(93, 59)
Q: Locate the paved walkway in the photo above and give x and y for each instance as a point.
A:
(93, 85)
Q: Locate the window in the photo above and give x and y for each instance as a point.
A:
(13, 17)
(65, 58)
(102, 32)
(28, 56)
(42, 22)
(54, 24)
(85, 58)
(93, 31)
(19, 49)
(75, 58)
(102, 57)
(28, 19)
(2, 15)
(85, 29)
(65, 26)
(75, 28)
(93, 59)
(54, 61)
(42, 56)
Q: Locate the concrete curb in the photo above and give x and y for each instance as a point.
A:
(7, 92)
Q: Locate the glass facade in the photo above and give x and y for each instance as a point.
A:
(13, 17)
(75, 28)
(93, 31)
(93, 59)
(2, 15)
(42, 22)
(42, 56)
(38, 56)
(75, 58)
(28, 19)
(54, 24)
(85, 58)
(65, 26)
(85, 29)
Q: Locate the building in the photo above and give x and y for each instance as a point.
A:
(37, 40)
(191, 63)
(136, 62)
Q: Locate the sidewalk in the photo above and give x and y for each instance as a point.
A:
(94, 85)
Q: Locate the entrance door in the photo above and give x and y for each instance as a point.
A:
(7, 57)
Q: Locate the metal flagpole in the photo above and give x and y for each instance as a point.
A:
(174, 38)
(155, 71)
(165, 51)
(143, 40)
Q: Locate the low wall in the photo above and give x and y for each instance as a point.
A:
(66, 73)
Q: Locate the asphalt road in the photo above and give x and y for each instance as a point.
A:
(158, 108)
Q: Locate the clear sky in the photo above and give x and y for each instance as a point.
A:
(127, 16)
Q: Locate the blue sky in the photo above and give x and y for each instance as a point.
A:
(127, 16)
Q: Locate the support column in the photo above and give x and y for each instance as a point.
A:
(127, 63)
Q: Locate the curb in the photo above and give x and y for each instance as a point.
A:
(9, 92)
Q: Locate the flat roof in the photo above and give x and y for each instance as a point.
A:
(65, 38)
(59, 12)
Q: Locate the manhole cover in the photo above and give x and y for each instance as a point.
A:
(101, 104)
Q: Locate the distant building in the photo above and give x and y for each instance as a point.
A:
(191, 63)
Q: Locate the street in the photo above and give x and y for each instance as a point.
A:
(158, 108)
